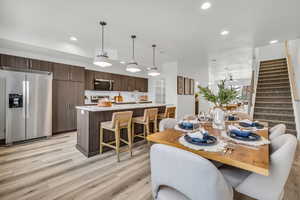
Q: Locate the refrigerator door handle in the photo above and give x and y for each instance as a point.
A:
(27, 99)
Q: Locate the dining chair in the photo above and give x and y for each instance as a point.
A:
(150, 116)
(276, 131)
(266, 187)
(120, 120)
(167, 123)
(179, 174)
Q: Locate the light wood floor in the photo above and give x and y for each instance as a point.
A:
(54, 169)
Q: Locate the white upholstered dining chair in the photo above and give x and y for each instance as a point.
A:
(181, 175)
(167, 123)
(276, 131)
(266, 187)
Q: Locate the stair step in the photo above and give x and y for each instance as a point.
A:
(272, 69)
(274, 75)
(276, 83)
(273, 65)
(272, 108)
(275, 102)
(274, 97)
(274, 114)
(274, 72)
(281, 79)
(274, 93)
(275, 121)
(278, 87)
(266, 109)
(291, 131)
(273, 61)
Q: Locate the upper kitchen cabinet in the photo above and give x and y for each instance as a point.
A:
(103, 75)
(76, 74)
(117, 82)
(131, 83)
(40, 65)
(14, 61)
(61, 72)
(89, 79)
(141, 84)
(67, 72)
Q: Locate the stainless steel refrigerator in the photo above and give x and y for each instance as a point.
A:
(25, 105)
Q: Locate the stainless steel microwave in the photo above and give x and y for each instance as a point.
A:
(103, 85)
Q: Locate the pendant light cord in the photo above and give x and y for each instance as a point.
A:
(133, 37)
(102, 23)
(154, 54)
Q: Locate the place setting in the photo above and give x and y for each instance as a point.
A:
(198, 138)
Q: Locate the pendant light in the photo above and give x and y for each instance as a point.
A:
(132, 66)
(153, 71)
(101, 58)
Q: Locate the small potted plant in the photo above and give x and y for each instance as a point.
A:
(224, 96)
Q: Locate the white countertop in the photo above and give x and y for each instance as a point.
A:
(118, 107)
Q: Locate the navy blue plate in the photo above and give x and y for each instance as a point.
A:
(186, 126)
(210, 140)
(250, 137)
(254, 124)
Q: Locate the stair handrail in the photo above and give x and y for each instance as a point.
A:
(291, 72)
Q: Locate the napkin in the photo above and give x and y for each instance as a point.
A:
(238, 132)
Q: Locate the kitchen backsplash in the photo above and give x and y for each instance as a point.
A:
(127, 96)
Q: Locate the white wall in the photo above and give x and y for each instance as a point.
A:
(270, 52)
(186, 103)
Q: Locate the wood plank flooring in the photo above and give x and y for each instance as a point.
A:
(54, 169)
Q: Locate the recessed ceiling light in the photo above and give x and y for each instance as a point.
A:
(72, 38)
(205, 5)
(273, 41)
(123, 62)
(224, 32)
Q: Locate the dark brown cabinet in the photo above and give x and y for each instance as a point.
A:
(121, 82)
(66, 96)
(76, 74)
(67, 72)
(14, 61)
(61, 72)
(89, 79)
(40, 65)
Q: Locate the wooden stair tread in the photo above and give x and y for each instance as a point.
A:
(273, 72)
(273, 97)
(273, 60)
(276, 121)
(273, 114)
(286, 82)
(274, 75)
(275, 102)
(274, 108)
(273, 65)
(278, 87)
(273, 79)
(272, 68)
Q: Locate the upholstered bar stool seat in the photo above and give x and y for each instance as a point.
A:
(120, 120)
(150, 116)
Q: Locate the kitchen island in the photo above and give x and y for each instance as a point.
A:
(90, 117)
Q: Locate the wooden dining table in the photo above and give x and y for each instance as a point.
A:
(253, 159)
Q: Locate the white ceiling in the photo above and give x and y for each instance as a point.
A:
(180, 28)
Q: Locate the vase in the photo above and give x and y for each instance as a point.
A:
(218, 118)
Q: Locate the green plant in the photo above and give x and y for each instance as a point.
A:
(222, 98)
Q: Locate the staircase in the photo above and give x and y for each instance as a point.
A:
(273, 102)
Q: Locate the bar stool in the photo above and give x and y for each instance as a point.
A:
(150, 115)
(169, 113)
(120, 120)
